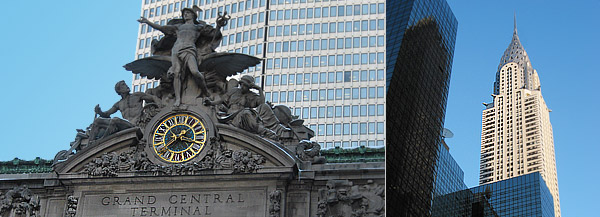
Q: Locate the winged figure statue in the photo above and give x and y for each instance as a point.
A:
(187, 55)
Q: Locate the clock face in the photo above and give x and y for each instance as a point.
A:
(179, 138)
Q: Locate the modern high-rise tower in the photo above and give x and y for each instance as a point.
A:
(420, 39)
(516, 134)
(324, 59)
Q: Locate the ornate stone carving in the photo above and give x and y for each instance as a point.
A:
(105, 165)
(310, 151)
(244, 109)
(219, 157)
(342, 198)
(275, 203)
(72, 202)
(246, 162)
(19, 200)
(131, 107)
(76, 146)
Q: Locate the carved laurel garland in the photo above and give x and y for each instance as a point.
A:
(72, 202)
(275, 203)
(359, 200)
(19, 200)
(110, 164)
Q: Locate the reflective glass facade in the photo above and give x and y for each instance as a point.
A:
(449, 176)
(420, 46)
(526, 195)
(462, 203)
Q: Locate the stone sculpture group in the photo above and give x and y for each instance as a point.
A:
(192, 74)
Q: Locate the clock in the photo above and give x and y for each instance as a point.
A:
(179, 138)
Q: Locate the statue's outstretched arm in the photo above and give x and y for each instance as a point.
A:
(148, 97)
(106, 114)
(167, 29)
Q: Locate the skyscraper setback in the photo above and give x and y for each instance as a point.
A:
(516, 136)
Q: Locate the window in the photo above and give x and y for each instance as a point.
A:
(268, 80)
(313, 112)
(329, 129)
(373, 8)
(380, 92)
(275, 80)
(372, 25)
(321, 130)
(275, 96)
(322, 112)
(341, 11)
(380, 24)
(372, 129)
(363, 110)
(298, 96)
(363, 128)
(346, 109)
(306, 95)
(330, 94)
(363, 92)
(354, 130)
(287, 14)
(372, 93)
(380, 110)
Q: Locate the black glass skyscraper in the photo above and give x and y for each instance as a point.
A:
(526, 195)
(420, 46)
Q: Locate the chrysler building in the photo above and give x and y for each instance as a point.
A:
(516, 134)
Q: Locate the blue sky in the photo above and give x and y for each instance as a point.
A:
(61, 58)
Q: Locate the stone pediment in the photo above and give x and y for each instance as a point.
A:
(118, 155)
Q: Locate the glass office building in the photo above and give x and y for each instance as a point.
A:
(325, 59)
(462, 203)
(449, 176)
(420, 46)
(526, 195)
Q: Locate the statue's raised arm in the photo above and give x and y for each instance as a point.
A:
(166, 29)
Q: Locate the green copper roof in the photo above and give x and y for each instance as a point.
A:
(360, 154)
(18, 166)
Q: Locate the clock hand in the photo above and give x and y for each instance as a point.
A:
(189, 140)
(168, 144)
(174, 136)
(182, 133)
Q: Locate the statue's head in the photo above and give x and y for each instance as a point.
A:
(191, 12)
(166, 82)
(247, 81)
(121, 87)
